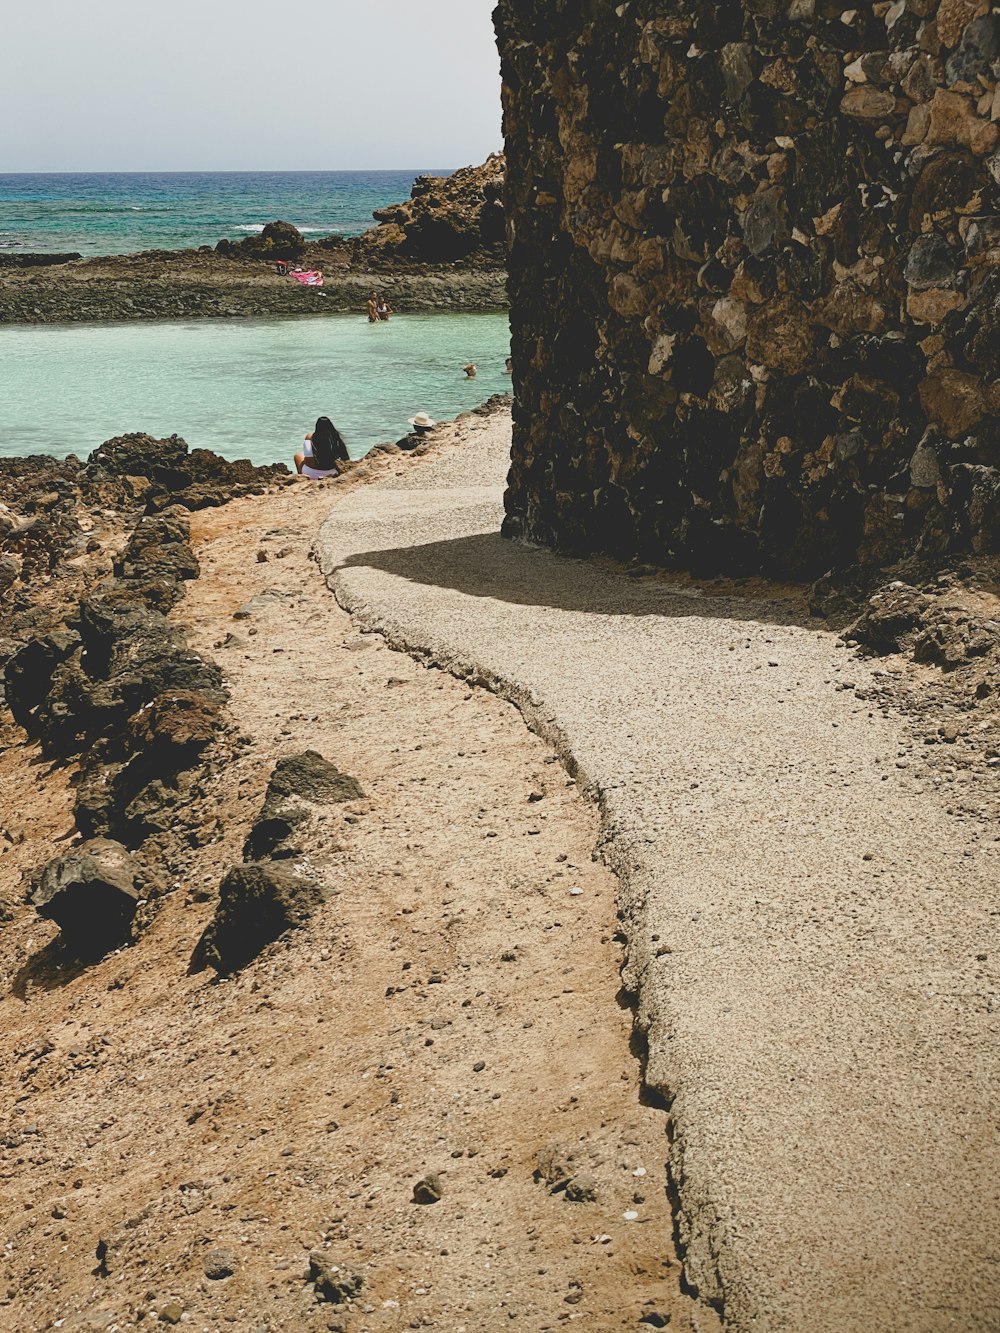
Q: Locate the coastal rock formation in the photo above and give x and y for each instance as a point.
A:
(446, 217)
(755, 277)
(278, 240)
(42, 260)
(95, 555)
(442, 249)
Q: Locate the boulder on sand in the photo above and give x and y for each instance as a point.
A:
(299, 783)
(257, 903)
(91, 894)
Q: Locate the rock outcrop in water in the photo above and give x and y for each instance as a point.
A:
(443, 249)
(755, 277)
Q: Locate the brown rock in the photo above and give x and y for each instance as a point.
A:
(953, 16)
(954, 121)
(91, 894)
(953, 400)
(868, 103)
(780, 336)
(849, 310)
(931, 307)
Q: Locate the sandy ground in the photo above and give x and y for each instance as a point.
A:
(810, 901)
(454, 1009)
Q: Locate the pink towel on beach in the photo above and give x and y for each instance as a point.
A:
(311, 278)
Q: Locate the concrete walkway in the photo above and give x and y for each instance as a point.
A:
(806, 923)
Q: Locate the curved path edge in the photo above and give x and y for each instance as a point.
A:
(807, 925)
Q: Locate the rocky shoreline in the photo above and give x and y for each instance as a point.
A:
(189, 286)
(94, 558)
(441, 250)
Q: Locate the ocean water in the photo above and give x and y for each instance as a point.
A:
(247, 388)
(110, 214)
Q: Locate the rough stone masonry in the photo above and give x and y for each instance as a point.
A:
(755, 275)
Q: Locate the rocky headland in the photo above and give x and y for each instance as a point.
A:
(442, 249)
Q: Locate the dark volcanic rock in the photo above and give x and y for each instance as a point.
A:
(91, 894)
(37, 260)
(891, 614)
(278, 240)
(219, 1264)
(194, 478)
(28, 672)
(298, 784)
(428, 1190)
(257, 903)
(753, 278)
(121, 688)
(313, 778)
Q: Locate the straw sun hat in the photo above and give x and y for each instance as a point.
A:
(422, 421)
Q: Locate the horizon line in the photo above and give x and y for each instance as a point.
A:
(221, 171)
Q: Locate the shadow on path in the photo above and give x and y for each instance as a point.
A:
(488, 565)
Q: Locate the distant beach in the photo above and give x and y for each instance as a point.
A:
(107, 213)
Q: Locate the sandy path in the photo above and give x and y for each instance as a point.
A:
(813, 936)
(452, 1009)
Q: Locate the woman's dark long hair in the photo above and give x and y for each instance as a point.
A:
(328, 445)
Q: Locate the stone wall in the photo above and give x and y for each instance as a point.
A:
(755, 275)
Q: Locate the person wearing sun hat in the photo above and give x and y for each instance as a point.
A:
(422, 423)
(470, 370)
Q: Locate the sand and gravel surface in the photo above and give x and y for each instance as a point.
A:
(811, 909)
(176, 1146)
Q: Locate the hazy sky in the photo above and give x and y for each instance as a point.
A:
(112, 85)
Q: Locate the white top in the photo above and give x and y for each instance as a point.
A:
(315, 473)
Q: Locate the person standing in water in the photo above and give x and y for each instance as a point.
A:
(372, 308)
(383, 309)
(324, 449)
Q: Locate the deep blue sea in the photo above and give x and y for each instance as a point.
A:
(110, 214)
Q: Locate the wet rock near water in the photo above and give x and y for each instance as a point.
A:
(28, 259)
(92, 894)
(755, 279)
(258, 902)
(277, 240)
(191, 478)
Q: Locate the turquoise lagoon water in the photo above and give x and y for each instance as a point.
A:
(247, 389)
(112, 213)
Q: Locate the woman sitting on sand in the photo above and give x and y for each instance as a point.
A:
(324, 448)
